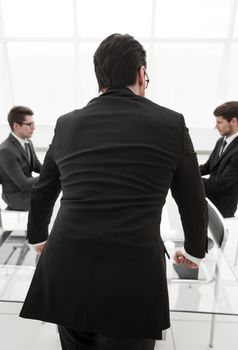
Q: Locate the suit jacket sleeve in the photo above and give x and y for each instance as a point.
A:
(37, 164)
(188, 192)
(205, 168)
(223, 180)
(12, 168)
(43, 198)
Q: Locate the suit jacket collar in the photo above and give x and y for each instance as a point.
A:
(230, 145)
(21, 141)
(120, 91)
(19, 146)
(228, 149)
(123, 92)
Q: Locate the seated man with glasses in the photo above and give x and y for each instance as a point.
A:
(18, 160)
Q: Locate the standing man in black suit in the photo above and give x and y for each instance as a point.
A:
(222, 166)
(18, 160)
(102, 273)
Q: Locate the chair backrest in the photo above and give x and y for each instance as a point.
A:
(216, 223)
(11, 220)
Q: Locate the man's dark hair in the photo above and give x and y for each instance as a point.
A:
(117, 60)
(228, 110)
(17, 115)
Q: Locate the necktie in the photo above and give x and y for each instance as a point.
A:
(223, 145)
(27, 150)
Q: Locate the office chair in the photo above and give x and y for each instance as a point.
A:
(217, 231)
(236, 253)
(216, 236)
(14, 221)
(236, 257)
(216, 224)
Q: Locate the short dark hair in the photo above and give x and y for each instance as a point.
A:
(117, 60)
(17, 115)
(227, 110)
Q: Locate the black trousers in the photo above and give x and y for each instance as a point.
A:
(75, 340)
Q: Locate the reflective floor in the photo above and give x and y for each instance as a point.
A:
(188, 331)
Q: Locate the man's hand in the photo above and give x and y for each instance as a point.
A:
(180, 259)
(39, 248)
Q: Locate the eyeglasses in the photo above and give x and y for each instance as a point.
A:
(147, 80)
(31, 124)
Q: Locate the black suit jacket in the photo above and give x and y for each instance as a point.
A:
(222, 185)
(15, 173)
(103, 266)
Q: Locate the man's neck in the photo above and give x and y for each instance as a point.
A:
(20, 139)
(235, 132)
(137, 89)
(19, 136)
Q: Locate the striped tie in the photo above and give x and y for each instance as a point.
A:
(223, 145)
(27, 150)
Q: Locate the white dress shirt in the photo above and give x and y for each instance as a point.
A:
(229, 139)
(21, 141)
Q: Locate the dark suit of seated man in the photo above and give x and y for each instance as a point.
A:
(222, 166)
(18, 160)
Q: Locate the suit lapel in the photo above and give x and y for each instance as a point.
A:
(218, 149)
(228, 150)
(19, 147)
(32, 154)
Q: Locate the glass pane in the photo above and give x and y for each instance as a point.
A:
(2, 97)
(186, 18)
(5, 93)
(185, 77)
(232, 75)
(236, 24)
(102, 18)
(43, 78)
(86, 81)
(38, 18)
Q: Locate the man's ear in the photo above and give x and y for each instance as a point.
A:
(234, 121)
(15, 126)
(141, 76)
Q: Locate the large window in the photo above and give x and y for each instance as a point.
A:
(46, 53)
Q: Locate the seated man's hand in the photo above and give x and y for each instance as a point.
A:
(180, 259)
(39, 248)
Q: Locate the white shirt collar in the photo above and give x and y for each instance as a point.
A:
(21, 141)
(230, 138)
